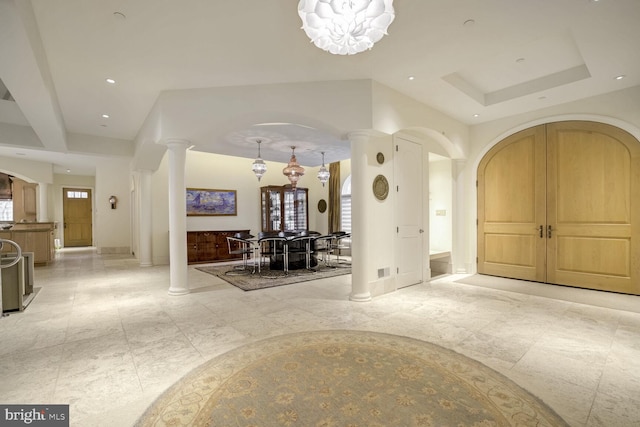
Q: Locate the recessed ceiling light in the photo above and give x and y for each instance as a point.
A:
(119, 15)
(105, 116)
(104, 126)
(20, 154)
(476, 115)
(620, 77)
(68, 170)
(542, 97)
(520, 60)
(110, 81)
(412, 78)
(469, 23)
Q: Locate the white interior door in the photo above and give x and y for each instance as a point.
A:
(410, 230)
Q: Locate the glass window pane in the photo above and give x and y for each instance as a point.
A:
(345, 206)
(6, 210)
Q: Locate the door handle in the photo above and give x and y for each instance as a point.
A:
(541, 231)
(549, 231)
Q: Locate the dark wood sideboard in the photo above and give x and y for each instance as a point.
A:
(210, 246)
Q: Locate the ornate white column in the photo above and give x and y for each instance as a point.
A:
(359, 231)
(177, 149)
(43, 205)
(144, 224)
(459, 249)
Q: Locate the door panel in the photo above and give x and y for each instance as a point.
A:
(409, 241)
(78, 222)
(511, 198)
(592, 206)
(586, 182)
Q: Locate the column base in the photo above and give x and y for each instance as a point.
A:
(360, 297)
(146, 264)
(178, 291)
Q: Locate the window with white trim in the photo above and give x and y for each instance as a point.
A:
(72, 194)
(345, 206)
(6, 210)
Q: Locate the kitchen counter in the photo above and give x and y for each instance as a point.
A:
(36, 237)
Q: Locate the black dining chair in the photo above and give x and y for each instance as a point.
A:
(323, 245)
(239, 244)
(302, 243)
(341, 242)
(273, 247)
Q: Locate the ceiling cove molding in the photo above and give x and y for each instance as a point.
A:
(540, 84)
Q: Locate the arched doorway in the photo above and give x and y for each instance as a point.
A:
(560, 203)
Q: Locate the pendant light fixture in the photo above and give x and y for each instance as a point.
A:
(345, 27)
(259, 167)
(323, 173)
(293, 171)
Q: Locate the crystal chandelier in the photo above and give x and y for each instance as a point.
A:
(323, 173)
(345, 27)
(259, 167)
(293, 171)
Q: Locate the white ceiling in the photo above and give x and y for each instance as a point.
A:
(490, 58)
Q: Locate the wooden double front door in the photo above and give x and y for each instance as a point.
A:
(560, 203)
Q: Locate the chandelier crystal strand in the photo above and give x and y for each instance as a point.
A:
(293, 170)
(323, 173)
(259, 167)
(346, 27)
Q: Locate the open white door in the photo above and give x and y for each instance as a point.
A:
(408, 179)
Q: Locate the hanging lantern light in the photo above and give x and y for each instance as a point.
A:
(259, 167)
(323, 173)
(293, 171)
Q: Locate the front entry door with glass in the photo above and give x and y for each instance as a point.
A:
(78, 220)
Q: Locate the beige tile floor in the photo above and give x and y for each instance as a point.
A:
(103, 335)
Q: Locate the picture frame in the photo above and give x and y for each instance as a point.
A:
(211, 202)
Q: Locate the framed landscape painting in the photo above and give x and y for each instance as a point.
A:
(205, 202)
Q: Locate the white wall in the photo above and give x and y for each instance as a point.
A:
(28, 170)
(380, 217)
(440, 205)
(112, 226)
(394, 112)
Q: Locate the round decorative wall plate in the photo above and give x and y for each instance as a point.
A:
(380, 158)
(380, 187)
(322, 205)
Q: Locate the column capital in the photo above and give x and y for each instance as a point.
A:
(364, 134)
(175, 143)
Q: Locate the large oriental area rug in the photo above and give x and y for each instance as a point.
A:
(269, 279)
(346, 378)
